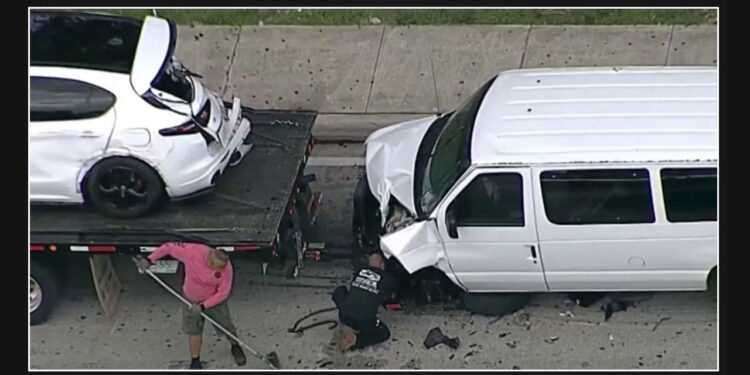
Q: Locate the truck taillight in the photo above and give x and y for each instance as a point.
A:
(186, 128)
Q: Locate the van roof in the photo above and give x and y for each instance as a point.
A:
(594, 115)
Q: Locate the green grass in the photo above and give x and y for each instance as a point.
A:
(430, 16)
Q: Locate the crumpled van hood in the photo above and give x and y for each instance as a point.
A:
(390, 156)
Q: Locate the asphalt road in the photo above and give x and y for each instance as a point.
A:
(549, 333)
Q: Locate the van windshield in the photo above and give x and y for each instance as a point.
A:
(450, 155)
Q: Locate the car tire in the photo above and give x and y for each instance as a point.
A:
(43, 293)
(711, 284)
(113, 172)
(494, 304)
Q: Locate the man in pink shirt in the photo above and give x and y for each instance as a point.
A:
(208, 281)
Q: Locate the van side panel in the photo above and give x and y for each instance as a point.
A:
(652, 256)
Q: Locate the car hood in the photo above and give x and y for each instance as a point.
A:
(390, 157)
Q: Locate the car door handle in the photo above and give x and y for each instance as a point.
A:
(533, 253)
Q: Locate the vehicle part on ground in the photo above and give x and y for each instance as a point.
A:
(436, 337)
(123, 187)
(494, 304)
(271, 358)
(42, 293)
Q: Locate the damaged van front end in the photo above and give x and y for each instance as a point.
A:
(386, 215)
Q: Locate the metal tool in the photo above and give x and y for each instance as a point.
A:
(272, 358)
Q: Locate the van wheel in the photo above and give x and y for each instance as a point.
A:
(494, 304)
(42, 293)
(712, 284)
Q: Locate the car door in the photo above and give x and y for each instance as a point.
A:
(70, 124)
(487, 227)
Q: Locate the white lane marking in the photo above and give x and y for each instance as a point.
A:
(335, 161)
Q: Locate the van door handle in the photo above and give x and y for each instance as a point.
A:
(533, 253)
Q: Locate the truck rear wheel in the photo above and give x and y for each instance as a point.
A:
(42, 293)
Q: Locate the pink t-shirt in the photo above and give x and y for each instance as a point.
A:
(202, 283)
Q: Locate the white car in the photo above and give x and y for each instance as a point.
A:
(116, 121)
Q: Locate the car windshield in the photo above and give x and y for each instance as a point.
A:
(449, 157)
(174, 81)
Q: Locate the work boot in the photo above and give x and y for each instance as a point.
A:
(195, 364)
(347, 340)
(239, 355)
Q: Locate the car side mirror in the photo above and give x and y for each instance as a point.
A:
(451, 223)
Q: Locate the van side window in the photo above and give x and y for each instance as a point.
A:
(597, 196)
(689, 194)
(491, 200)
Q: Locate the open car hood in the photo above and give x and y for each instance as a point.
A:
(390, 156)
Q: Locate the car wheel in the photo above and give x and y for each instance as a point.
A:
(712, 284)
(42, 293)
(494, 304)
(123, 188)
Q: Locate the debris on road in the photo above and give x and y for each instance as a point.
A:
(552, 339)
(662, 319)
(503, 334)
(568, 314)
(469, 354)
(512, 344)
(436, 336)
(521, 319)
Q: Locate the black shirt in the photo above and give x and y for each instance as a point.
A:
(369, 289)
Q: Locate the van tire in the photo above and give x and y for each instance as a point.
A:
(46, 281)
(711, 284)
(494, 304)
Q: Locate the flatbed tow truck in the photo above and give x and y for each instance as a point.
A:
(265, 204)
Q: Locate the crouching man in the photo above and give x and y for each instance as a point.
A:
(358, 306)
(208, 281)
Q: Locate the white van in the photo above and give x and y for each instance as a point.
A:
(574, 179)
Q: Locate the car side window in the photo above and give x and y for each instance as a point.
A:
(494, 199)
(689, 194)
(56, 99)
(597, 196)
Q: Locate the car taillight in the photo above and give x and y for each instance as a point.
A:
(204, 115)
(186, 128)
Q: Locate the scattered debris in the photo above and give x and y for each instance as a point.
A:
(662, 319)
(503, 334)
(436, 336)
(516, 367)
(521, 319)
(375, 21)
(452, 356)
(512, 344)
(472, 333)
(611, 340)
(325, 363)
(552, 339)
(469, 354)
(568, 314)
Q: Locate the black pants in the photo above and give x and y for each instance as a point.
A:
(370, 331)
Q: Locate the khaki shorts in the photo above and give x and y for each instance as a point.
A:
(192, 323)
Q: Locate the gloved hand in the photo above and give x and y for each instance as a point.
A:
(196, 308)
(143, 264)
